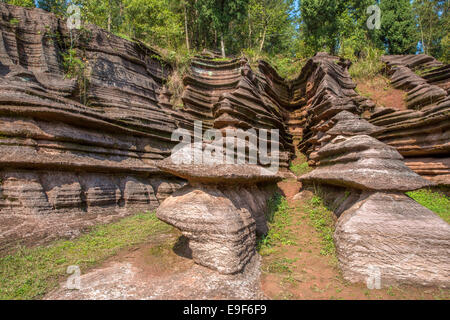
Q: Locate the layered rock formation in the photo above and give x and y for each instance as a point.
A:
(84, 142)
(227, 94)
(79, 159)
(379, 228)
(221, 211)
(421, 133)
(323, 89)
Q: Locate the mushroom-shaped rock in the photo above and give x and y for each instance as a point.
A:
(364, 163)
(221, 211)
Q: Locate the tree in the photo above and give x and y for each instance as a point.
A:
(221, 14)
(398, 28)
(431, 16)
(155, 21)
(22, 3)
(269, 21)
(320, 24)
(58, 7)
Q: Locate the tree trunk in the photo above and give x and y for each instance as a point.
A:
(249, 31)
(222, 45)
(186, 27)
(261, 46)
(109, 16)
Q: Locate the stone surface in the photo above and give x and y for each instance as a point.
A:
(221, 173)
(407, 243)
(381, 234)
(423, 130)
(127, 281)
(221, 222)
(363, 162)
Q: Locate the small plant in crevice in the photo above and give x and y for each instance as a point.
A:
(75, 68)
(74, 60)
(14, 22)
(181, 62)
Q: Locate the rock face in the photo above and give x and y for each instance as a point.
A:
(229, 94)
(88, 145)
(222, 216)
(380, 231)
(70, 151)
(421, 134)
(324, 89)
(390, 236)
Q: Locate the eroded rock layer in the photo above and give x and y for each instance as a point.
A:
(85, 147)
(323, 89)
(221, 211)
(377, 233)
(421, 133)
(229, 94)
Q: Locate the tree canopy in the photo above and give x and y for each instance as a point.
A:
(296, 28)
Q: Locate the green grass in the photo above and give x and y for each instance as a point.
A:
(369, 66)
(32, 272)
(435, 201)
(301, 165)
(279, 219)
(283, 265)
(299, 169)
(322, 220)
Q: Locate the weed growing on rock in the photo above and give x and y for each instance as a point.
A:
(368, 66)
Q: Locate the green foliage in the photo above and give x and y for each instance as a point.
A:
(32, 272)
(72, 64)
(14, 22)
(302, 166)
(286, 66)
(435, 201)
(22, 3)
(58, 7)
(300, 169)
(432, 25)
(75, 68)
(398, 27)
(369, 65)
(322, 220)
(285, 30)
(279, 219)
(270, 25)
(320, 27)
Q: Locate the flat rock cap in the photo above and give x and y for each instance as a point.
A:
(219, 173)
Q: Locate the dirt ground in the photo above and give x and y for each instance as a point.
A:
(315, 276)
(151, 269)
(162, 268)
(382, 93)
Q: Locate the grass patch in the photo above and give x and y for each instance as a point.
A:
(300, 165)
(368, 66)
(299, 169)
(435, 201)
(32, 272)
(284, 265)
(279, 219)
(322, 220)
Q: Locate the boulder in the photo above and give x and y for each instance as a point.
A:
(391, 234)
